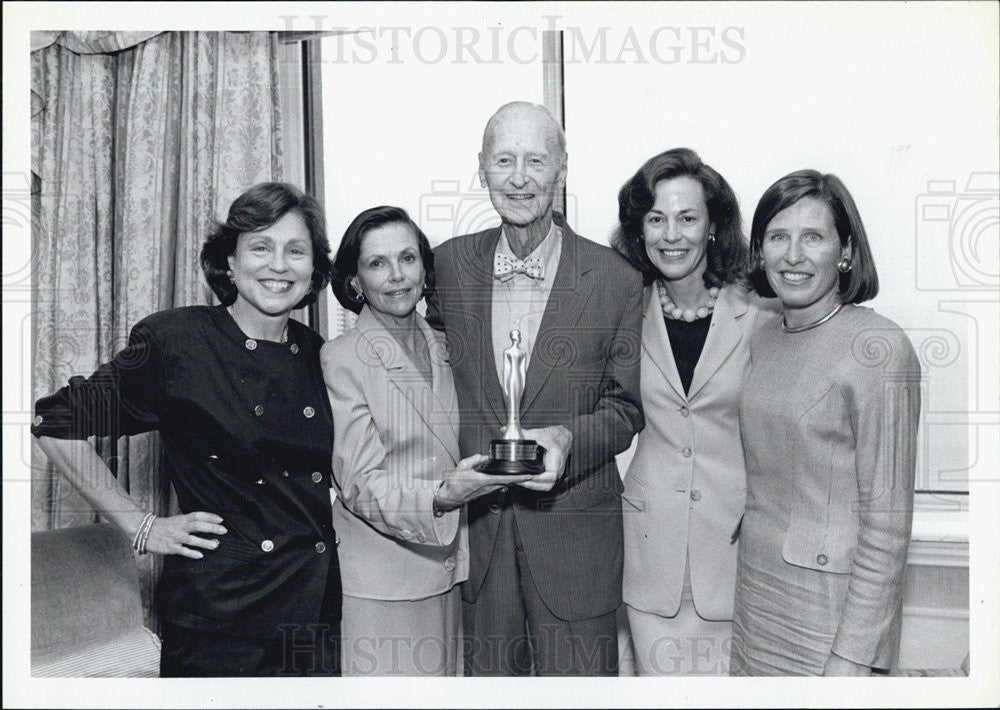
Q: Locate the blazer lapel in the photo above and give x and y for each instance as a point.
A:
(476, 277)
(574, 282)
(724, 335)
(656, 343)
(405, 377)
(443, 387)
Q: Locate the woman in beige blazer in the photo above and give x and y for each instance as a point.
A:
(399, 482)
(684, 491)
(829, 420)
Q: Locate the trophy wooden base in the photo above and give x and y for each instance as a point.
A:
(514, 457)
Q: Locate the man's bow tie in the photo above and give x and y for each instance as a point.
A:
(504, 267)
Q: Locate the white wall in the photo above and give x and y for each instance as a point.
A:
(404, 130)
(888, 99)
(888, 96)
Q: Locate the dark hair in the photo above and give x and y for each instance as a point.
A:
(858, 285)
(258, 208)
(726, 256)
(345, 263)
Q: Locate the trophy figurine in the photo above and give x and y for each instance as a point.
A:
(513, 454)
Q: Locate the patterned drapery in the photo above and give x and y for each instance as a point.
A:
(134, 154)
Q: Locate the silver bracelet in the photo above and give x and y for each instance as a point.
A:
(142, 534)
(138, 532)
(145, 535)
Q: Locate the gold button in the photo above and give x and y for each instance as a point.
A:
(294, 349)
(695, 494)
(267, 546)
(321, 547)
(258, 410)
(687, 452)
(317, 476)
(309, 412)
(821, 559)
(284, 474)
(38, 420)
(251, 344)
(685, 412)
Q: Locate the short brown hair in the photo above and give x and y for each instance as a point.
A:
(858, 285)
(258, 208)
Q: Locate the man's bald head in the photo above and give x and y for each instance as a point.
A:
(524, 110)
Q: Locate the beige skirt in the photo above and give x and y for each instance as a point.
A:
(681, 645)
(786, 617)
(402, 638)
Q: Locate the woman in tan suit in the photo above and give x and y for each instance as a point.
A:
(829, 419)
(400, 485)
(684, 491)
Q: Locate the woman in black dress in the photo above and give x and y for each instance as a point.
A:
(250, 566)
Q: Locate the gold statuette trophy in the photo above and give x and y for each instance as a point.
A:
(513, 454)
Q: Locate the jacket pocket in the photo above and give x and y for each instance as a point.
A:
(811, 547)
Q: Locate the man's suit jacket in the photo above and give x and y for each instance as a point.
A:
(394, 435)
(686, 485)
(583, 374)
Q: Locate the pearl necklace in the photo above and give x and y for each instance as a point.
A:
(808, 326)
(675, 312)
(284, 332)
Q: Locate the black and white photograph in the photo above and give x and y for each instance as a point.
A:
(484, 354)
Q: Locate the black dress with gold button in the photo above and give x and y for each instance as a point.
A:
(247, 434)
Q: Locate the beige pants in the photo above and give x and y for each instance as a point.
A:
(402, 638)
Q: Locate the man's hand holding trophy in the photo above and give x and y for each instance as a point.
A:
(539, 452)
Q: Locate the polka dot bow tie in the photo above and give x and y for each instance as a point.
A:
(505, 267)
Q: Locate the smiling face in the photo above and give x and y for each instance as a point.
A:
(800, 250)
(273, 267)
(390, 270)
(522, 166)
(676, 229)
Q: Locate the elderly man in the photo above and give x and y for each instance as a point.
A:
(545, 555)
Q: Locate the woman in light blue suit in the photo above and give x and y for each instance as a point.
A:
(399, 482)
(685, 488)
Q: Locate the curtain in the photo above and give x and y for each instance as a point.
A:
(135, 154)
